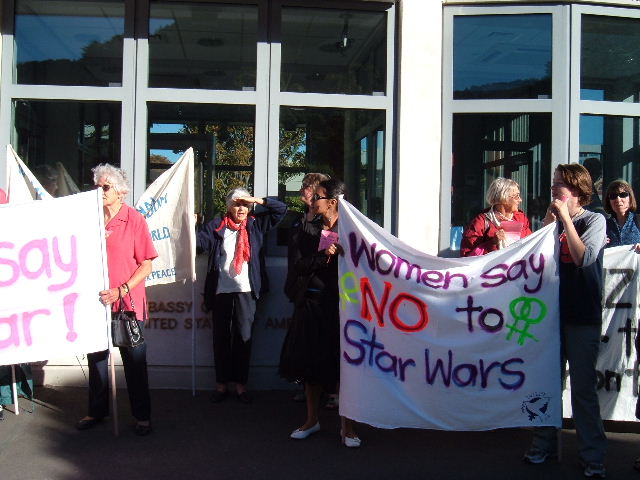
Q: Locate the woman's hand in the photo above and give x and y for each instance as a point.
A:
(333, 249)
(107, 297)
(500, 236)
(636, 247)
(248, 201)
(550, 217)
(559, 208)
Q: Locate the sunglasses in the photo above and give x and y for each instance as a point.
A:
(613, 196)
(105, 187)
(317, 197)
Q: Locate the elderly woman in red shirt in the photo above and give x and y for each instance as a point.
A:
(129, 255)
(499, 225)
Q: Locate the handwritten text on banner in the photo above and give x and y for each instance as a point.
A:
(456, 344)
(51, 271)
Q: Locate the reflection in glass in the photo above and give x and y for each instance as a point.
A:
(610, 59)
(333, 51)
(486, 146)
(609, 149)
(343, 143)
(67, 150)
(199, 45)
(222, 137)
(69, 42)
(502, 56)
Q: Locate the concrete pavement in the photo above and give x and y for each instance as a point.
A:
(194, 439)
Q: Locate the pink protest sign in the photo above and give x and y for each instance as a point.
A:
(512, 230)
(327, 237)
(51, 270)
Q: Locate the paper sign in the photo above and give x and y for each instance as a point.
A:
(327, 238)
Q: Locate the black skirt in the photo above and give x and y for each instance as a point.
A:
(311, 349)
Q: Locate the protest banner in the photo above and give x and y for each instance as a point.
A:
(617, 365)
(455, 344)
(22, 185)
(51, 270)
(168, 206)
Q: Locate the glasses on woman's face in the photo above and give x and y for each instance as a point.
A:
(105, 188)
(613, 196)
(317, 197)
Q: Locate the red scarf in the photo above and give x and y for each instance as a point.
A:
(243, 250)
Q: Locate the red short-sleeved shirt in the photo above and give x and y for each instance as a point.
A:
(128, 245)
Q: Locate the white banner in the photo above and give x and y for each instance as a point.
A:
(168, 207)
(617, 366)
(456, 344)
(51, 270)
(22, 185)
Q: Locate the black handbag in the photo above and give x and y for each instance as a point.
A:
(125, 330)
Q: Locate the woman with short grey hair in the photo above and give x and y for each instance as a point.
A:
(486, 232)
(116, 177)
(233, 282)
(130, 253)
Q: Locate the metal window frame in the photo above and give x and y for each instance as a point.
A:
(134, 94)
(592, 107)
(286, 99)
(558, 105)
(10, 91)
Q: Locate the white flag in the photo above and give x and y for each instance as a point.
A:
(22, 185)
(168, 206)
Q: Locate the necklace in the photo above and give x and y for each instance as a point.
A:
(579, 212)
(502, 215)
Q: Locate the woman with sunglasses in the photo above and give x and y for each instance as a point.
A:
(622, 225)
(130, 252)
(622, 229)
(311, 353)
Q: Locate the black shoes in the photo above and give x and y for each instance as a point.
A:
(245, 398)
(218, 396)
(87, 423)
(142, 430)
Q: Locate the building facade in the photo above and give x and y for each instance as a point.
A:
(418, 105)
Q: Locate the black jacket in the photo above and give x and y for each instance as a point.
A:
(210, 240)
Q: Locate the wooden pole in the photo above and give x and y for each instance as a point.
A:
(14, 389)
(114, 400)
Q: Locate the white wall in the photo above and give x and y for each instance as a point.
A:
(420, 123)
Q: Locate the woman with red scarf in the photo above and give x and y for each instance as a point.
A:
(233, 283)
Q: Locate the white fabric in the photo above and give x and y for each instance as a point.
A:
(51, 270)
(22, 185)
(229, 281)
(168, 206)
(409, 358)
(617, 367)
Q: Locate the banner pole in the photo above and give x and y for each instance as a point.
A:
(14, 389)
(114, 401)
(193, 337)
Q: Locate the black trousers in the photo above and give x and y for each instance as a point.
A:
(231, 354)
(134, 361)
